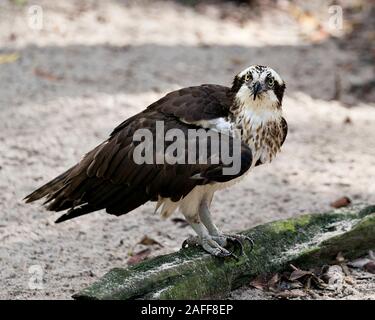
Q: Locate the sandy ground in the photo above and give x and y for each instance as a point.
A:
(96, 63)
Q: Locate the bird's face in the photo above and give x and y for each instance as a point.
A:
(259, 87)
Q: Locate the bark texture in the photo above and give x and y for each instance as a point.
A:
(307, 240)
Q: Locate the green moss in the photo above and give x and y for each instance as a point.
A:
(366, 211)
(290, 225)
(193, 274)
(366, 224)
(283, 225)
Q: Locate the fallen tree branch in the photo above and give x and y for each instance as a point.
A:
(306, 241)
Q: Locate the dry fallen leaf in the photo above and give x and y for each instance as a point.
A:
(274, 281)
(12, 37)
(147, 241)
(342, 202)
(9, 58)
(46, 75)
(348, 120)
(318, 283)
(139, 256)
(236, 61)
(297, 274)
(370, 267)
(259, 283)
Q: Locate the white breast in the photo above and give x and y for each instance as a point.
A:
(249, 119)
(219, 124)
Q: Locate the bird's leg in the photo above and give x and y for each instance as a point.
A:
(221, 238)
(213, 230)
(205, 240)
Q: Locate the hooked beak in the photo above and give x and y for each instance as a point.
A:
(257, 88)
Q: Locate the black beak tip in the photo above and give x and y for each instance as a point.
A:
(256, 89)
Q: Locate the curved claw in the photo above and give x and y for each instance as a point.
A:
(239, 239)
(224, 253)
(238, 242)
(212, 247)
(184, 244)
(251, 242)
(221, 254)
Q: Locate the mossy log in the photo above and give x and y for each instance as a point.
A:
(190, 273)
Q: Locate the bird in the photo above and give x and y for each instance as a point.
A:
(248, 114)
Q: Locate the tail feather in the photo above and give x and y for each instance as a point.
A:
(76, 212)
(49, 188)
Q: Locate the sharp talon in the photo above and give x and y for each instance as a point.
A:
(224, 254)
(185, 244)
(251, 242)
(212, 246)
(239, 239)
(236, 241)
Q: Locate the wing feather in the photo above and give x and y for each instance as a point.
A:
(107, 177)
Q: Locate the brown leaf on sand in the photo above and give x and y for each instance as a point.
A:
(341, 202)
(370, 267)
(9, 58)
(348, 120)
(139, 256)
(307, 278)
(266, 282)
(236, 61)
(259, 282)
(46, 75)
(147, 241)
(317, 282)
(297, 274)
(272, 283)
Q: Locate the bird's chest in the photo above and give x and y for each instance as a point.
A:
(263, 138)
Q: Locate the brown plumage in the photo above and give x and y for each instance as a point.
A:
(108, 178)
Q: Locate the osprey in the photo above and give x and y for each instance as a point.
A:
(109, 177)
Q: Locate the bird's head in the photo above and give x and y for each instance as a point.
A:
(258, 87)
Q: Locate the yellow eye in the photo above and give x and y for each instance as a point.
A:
(248, 77)
(270, 82)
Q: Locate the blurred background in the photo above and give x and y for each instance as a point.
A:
(70, 71)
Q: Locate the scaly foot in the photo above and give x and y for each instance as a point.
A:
(239, 239)
(209, 245)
